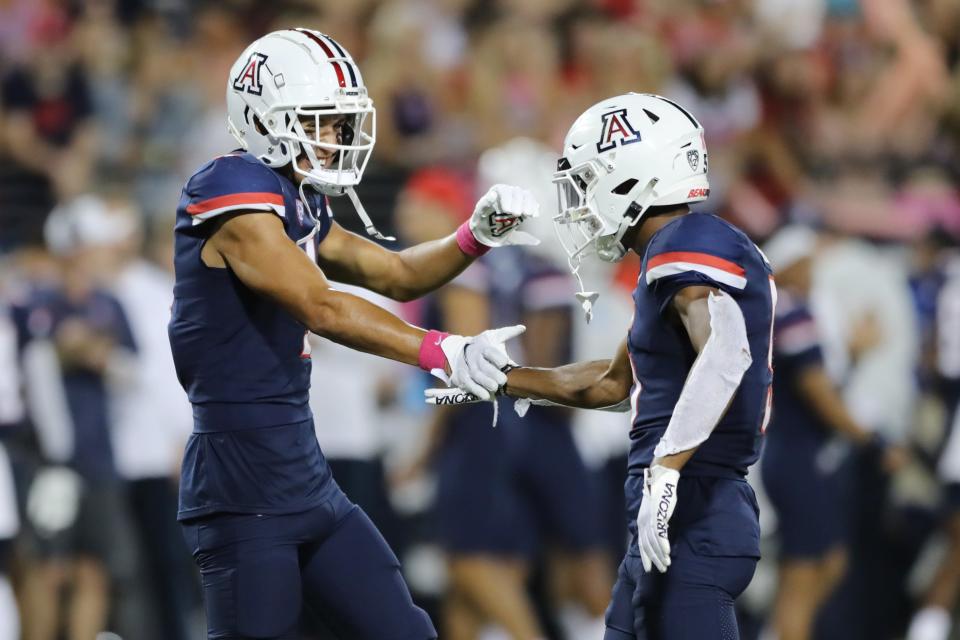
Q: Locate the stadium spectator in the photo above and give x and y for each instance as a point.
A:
(49, 138)
(76, 340)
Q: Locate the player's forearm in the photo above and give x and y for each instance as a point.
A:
(818, 389)
(425, 267)
(585, 385)
(356, 323)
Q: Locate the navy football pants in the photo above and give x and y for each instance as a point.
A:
(714, 538)
(259, 570)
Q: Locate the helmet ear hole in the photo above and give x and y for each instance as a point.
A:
(262, 130)
(624, 187)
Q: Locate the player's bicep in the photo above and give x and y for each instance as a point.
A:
(352, 259)
(691, 307)
(256, 248)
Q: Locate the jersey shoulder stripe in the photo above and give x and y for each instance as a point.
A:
(675, 262)
(258, 200)
(232, 182)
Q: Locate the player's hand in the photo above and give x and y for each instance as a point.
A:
(476, 362)
(500, 212)
(659, 501)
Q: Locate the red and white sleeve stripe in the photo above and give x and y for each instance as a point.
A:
(677, 262)
(255, 201)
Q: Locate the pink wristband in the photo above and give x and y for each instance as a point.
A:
(431, 355)
(469, 243)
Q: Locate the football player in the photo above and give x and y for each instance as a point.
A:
(810, 439)
(254, 244)
(693, 370)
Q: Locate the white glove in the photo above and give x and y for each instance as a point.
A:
(659, 501)
(498, 214)
(53, 500)
(476, 362)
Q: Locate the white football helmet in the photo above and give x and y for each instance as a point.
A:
(621, 157)
(300, 73)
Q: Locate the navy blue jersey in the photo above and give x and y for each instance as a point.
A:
(796, 347)
(243, 360)
(232, 346)
(699, 249)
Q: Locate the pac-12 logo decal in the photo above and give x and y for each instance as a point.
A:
(249, 78)
(693, 158)
(616, 131)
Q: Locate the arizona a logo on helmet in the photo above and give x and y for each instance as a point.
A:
(249, 78)
(616, 131)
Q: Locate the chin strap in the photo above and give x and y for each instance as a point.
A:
(586, 298)
(367, 222)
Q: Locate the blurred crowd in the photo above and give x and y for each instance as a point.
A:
(841, 116)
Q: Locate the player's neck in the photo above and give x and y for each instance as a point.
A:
(651, 224)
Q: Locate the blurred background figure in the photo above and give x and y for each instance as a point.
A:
(151, 420)
(806, 467)
(77, 341)
(933, 620)
(481, 522)
(11, 416)
(49, 136)
(838, 115)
